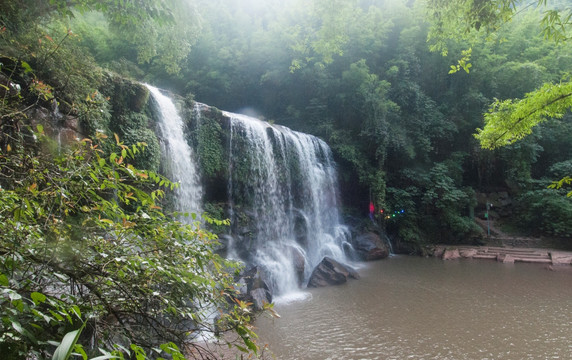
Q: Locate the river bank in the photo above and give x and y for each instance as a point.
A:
(554, 259)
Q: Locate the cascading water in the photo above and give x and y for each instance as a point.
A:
(288, 181)
(283, 182)
(177, 154)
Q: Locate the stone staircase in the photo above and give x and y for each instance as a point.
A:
(510, 255)
(505, 254)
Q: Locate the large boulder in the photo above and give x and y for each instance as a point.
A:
(370, 246)
(254, 287)
(331, 272)
(260, 297)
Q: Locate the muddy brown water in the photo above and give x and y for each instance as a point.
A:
(425, 308)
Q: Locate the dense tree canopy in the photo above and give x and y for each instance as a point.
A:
(362, 75)
(507, 121)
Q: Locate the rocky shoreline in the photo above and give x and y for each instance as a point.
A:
(551, 258)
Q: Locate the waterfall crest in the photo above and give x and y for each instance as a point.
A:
(288, 180)
(178, 156)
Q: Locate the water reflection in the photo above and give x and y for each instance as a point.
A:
(415, 308)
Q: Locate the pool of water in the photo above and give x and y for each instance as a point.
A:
(425, 308)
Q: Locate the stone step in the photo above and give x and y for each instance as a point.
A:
(507, 258)
(505, 249)
(530, 255)
(485, 256)
(507, 254)
(518, 253)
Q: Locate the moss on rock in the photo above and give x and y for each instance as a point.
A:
(150, 158)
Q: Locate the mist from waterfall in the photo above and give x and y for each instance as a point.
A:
(288, 181)
(178, 157)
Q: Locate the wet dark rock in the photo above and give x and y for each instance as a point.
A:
(299, 263)
(139, 97)
(331, 272)
(254, 287)
(242, 287)
(370, 246)
(301, 229)
(260, 297)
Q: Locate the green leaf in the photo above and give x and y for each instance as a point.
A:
(241, 348)
(38, 298)
(76, 311)
(4, 280)
(63, 352)
(251, 345)
(139, 352)
(26, 66)
(18, 327)
(79, 351)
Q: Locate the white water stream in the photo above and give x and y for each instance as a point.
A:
(289, 181)
(178, 157)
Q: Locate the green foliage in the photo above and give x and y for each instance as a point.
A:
(447, 201)
(545, 211)
(463, 62)
(64, 350)
(210, 144)
(82, 245)
(54, 74)
(511, 120)
(556, 24)
(459, 19)
(564, 182)
(442, 192)
(151, 157)
(367, 83)
(159, 31)
(331, 35)
(561, 169)
(216, 211)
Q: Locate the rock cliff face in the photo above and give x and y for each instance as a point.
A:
(120, 106)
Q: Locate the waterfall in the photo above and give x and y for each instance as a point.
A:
(281, 187)
(287, 181)
(178, 157)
